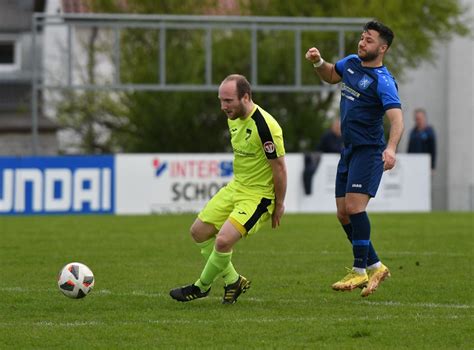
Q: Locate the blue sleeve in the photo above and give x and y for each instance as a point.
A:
(340, 64)
(388, 91)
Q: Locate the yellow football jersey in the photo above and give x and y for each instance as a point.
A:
(254, 140)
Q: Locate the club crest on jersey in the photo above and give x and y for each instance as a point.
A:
(269, 147)
(365, 82)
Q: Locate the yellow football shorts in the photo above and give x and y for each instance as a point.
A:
(247, 212)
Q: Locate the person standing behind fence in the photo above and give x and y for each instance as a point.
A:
(331, 141)
(368, 92)
(255, 194)
(423, 137)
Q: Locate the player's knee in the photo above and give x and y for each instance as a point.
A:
(342, 216)
(197, 233)
(201, 231)
(193, 231)
(223, 244)
(194, 234)
(352, 208)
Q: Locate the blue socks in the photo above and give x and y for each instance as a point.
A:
(364, 252)
(372, 256)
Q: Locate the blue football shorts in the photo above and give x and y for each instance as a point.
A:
(359, 170)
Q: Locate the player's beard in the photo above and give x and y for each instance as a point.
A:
(239, 112)
(369, 56)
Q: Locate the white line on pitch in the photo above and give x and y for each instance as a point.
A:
(336, 252)
(259, 320)
(425, 305)
(141, 293)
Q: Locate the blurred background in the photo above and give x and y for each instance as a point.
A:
(83, 77)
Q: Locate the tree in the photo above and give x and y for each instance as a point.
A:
(418, 25)
(89, 118)
(192, 122)
(167, 121)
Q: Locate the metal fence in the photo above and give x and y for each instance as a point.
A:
(163, 23)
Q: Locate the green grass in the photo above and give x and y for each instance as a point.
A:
(427, 304)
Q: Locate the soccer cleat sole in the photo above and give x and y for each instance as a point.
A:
(349, 287)
(188, 298)
(177, 295)
(368, 290)
(245, 287)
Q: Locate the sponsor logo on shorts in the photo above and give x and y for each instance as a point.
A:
(357, 185)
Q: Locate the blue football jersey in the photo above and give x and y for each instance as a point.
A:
(366, 94)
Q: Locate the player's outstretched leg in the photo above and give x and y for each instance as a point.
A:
(376, 276)
(351, 281)
(188, 293)
(232, 291)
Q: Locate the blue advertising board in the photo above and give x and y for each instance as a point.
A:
(57, 185)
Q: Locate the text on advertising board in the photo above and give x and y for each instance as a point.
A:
(49, 185)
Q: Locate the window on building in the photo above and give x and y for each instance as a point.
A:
(7, 52)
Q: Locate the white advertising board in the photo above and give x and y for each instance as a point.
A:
(406, 188)
(164, 183)
(169, 183)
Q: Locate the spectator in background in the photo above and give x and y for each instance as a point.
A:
(331, 141)
(422, 137)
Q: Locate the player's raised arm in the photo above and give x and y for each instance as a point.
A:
(325, 70)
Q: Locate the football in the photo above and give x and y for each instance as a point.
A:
(75, 280)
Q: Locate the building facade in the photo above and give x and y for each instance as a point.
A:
(16, 73)
(445, 90)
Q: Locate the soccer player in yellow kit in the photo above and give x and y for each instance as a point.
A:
(255, 194)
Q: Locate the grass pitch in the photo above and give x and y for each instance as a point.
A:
(428, 302)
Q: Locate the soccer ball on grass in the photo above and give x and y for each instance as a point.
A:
(75, 280)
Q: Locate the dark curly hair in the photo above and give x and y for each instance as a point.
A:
(385, 32)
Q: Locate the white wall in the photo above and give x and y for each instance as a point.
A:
(445, 90)
(460, 128)
(424, 88)
(18, 144)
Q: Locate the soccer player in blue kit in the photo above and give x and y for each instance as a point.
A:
(368, 92)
